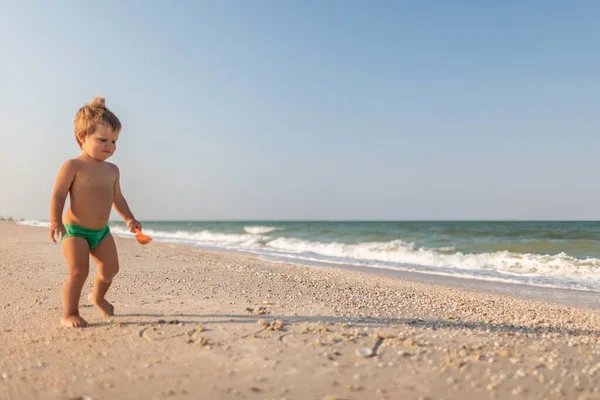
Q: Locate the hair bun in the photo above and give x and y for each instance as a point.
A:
(97, 102)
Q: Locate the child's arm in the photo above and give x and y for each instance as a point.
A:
(122, 207)
(64, 179)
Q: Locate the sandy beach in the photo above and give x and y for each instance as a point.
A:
(194, 324)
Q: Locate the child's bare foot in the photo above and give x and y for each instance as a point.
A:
(73, 321)
(104, 306)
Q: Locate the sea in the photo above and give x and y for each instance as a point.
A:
(559, 254)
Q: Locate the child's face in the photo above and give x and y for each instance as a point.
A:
(101, 144)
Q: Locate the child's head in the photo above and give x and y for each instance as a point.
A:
(90, 116)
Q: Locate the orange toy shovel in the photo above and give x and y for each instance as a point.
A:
(141, 238)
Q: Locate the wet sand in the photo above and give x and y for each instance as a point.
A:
(199, 324)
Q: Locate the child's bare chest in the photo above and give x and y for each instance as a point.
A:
(98, 178)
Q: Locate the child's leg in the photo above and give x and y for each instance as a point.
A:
(107, 260)
(77, 255)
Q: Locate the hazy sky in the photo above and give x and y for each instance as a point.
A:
(311, 109)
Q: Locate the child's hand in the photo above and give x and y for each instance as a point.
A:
(134, 224)
(57, 230)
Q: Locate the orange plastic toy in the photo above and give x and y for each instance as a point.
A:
(141, 238)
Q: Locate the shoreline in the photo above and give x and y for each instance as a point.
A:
(546, 292)
(558, 295)
(571, 297)
(192, 323)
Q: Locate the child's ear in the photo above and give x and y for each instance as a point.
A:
(80, 137)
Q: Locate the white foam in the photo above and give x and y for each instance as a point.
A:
(39, 224)
(561, 268)
(261, 230)
(560, 265)
(204, 237)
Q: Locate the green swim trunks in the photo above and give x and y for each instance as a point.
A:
(93, 236)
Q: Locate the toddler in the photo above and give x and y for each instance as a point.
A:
(93, 187)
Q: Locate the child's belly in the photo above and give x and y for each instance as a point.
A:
(90, 209)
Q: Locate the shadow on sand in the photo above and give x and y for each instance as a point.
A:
(207, 319)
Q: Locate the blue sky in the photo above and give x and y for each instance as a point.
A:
(311, 109)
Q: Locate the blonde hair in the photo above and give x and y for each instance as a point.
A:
(91, 115)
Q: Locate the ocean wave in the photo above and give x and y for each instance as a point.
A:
(261, 230)
(204, 237)
(397, 254)
(30, 222)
